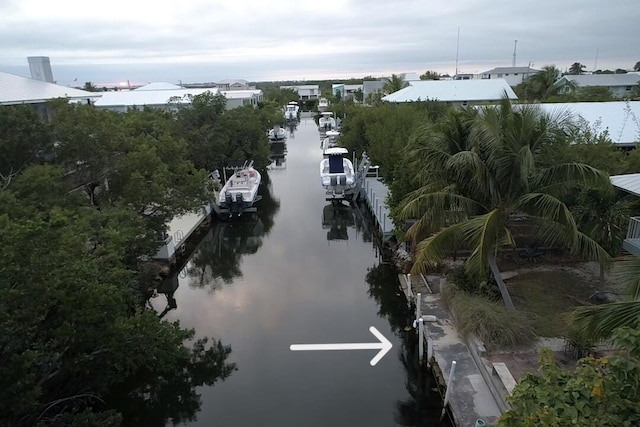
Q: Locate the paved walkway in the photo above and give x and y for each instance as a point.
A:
(470, 397)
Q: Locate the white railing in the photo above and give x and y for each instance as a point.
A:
(633, 232)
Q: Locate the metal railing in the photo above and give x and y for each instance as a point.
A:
(633, 232)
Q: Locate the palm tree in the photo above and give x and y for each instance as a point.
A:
(541, 84)
(395, 83)
(599, 322)
(603, 215)
(483, 189)
(576, 68)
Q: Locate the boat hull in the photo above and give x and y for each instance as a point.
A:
(240, 191)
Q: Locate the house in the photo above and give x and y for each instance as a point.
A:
(305, 91)
(513, 75)
(233, 84)
(456, 92)
(370, 87)
(410, 77)
(631, 184)
(40, 88)
(620, 119)
(148, 97)
(240, 98)
(346, 91)
(620, 85)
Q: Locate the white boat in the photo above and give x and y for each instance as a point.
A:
(326, 122)
(331, 139)
(277, 134)
(323, 104)
(240, 191)
(337, 174)
(292, 111)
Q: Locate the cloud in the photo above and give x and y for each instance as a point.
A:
(344, 37)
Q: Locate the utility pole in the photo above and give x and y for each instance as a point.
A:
(457, 51)
(515, 45)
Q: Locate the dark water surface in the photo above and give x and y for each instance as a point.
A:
(301, 272)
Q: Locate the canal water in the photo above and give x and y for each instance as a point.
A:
(301, 272)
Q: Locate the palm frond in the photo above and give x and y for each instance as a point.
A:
(600, 321)
(546, 206)
(484, 233)
(627, 273)
(569, 175)
(439, 246)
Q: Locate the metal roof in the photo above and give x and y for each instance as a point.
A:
(601, 80)
(453, 91)
(510, 70)
(621, 119)
(149, 97)
(159, 86)
(23, 90)
(303, 87)
(629, 182)
(241, 94)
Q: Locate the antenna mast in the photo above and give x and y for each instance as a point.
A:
(515, 45)
(457, 51)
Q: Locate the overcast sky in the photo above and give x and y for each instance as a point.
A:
(208, 40)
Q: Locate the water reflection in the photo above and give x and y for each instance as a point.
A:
(278, 155)
(216, 261)
(424, 404)
(292, 126)
(337, 218)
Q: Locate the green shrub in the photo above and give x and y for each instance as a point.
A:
(488, 288)
(490, 321)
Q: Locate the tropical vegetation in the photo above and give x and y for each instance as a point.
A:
(83, 198)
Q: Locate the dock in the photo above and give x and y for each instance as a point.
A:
(179, 230)
(470, 394)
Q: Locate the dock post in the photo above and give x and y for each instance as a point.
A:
(384, 222)
(418, 304)
(429, 351)
(420, 340)
(449, 386)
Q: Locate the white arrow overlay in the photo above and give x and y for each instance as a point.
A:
(384, 345)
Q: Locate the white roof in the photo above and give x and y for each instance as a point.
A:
(302, 87)
(510, 70)
(327, 113)
(629, 182)
(20, 90)
(335, 150)
(241, 94)
(158, 86)
(332, 133)
(620, 119)
(583, 80)
(453, 91)
(149, 97)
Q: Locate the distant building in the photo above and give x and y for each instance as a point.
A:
(410, 77)
(346, 91)
(23, 90)
(513, 75)
(456, 92)
(620, 85)
(240, 98)
(124, 100)
(305, 91)
(370, 87)
(233, 84)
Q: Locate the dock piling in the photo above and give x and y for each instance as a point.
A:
(449, 386)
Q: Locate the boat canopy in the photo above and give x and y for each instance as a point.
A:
(332, 133)
(327, 113)
(336, 165)
(335, 151)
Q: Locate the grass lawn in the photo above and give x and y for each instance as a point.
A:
(548, 294)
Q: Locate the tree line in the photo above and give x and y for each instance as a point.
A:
(83, 199)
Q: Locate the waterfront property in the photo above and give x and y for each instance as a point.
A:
(620, 85)
(305, 91)
(512, 75)
(631, 184)
(454, 92)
